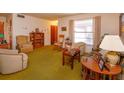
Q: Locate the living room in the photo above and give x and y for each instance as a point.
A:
(45, 61)
(83, 50)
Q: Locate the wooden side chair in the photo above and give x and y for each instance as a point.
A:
(73, 51)
(72, 54)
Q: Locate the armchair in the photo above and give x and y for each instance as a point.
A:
(23, 45)
(11, 61)
(59, 44)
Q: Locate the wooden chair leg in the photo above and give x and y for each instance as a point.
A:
(79, 59)
(72, 62)
(72, 65)
(63, 61)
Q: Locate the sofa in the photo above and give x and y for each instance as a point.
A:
(11, 61)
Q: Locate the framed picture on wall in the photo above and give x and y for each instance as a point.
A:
(64, 28)
(1, 31)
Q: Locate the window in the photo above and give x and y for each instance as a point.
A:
(83, 31)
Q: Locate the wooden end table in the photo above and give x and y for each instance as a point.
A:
(91, 70)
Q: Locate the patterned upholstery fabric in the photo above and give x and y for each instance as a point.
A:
(81, 46)
(59, 44)
(23, 44)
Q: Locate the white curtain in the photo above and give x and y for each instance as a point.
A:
(71, 30)
(97, 31)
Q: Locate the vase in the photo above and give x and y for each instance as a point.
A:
(113, 58)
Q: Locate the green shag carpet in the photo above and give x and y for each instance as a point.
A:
(46, 64)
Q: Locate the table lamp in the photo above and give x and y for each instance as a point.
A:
(114, 45)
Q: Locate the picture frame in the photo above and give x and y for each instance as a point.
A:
(64, 28)
(101, 64)
(98, 57)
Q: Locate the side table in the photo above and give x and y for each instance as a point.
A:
(91, 70)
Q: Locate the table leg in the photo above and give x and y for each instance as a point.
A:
(86, 74)
(97, 76)
(114, 77)
(110, 77)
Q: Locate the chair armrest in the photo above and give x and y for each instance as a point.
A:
(10, 55)
(7, 51)
(7, 58)
(81, 46)
(30, 43)
(27, 45)
(18, 46)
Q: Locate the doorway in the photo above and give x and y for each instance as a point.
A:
(54, 34)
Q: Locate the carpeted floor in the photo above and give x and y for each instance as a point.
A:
(46, 64)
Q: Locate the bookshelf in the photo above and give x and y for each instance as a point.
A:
(37, 39)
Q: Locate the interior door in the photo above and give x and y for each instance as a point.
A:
(54, 34)
(1, 31)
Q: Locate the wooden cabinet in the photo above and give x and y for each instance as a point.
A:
(5, 46)
(37, 39)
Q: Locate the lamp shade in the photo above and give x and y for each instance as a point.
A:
(112, 43)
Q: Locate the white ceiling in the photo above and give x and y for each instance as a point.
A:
(50, 16)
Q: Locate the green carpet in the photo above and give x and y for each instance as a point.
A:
(46, 64)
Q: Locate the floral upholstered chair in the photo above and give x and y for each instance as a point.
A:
(23, 44)
(59, 45)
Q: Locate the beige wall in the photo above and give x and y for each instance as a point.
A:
(55, 22)
(109, 23)
(23, 26)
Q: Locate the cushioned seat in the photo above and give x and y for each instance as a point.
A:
(59, 45)
(11, 61)
(81, 46)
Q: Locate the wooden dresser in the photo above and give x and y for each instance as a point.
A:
(37, 39)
